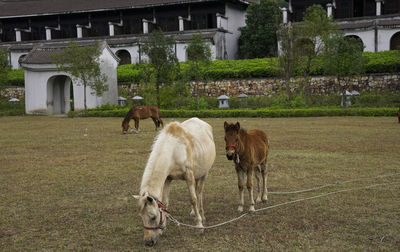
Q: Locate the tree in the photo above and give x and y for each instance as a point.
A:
(258, 38)
(163, 63)
(4, 66)
(314, 32)
(289, 56)
(343, 58)
(199, 59)
(83, 64)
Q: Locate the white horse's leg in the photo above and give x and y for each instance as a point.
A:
(240, 175)
(250, 171)
(264, 180)
(199, 191)
(165, 196)
(257, 174)
(191, 183)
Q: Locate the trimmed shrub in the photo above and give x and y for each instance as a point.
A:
(313, 112)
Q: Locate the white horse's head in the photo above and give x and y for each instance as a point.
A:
(151, 210)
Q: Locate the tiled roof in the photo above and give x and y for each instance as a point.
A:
(15, 8)
(43, 54)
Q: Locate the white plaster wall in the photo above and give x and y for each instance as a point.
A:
(181, 51)
(14, 57)
(133, 51)
(108, 65)
(36, 92)
(384, 36)
(236, 18)
(36, 88)
(367, 37)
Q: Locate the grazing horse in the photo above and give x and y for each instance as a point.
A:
(142, 112)
(249, 152)
(184, 151)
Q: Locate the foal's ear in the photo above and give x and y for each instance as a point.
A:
(237, 126)
(136, 196)
(225, 125)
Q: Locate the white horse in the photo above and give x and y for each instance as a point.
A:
(183, 151)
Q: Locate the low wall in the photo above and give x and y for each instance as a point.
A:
(12, 92)
(271, 86)
(275, 86)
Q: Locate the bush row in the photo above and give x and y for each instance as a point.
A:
(312, 112)
(378, 62)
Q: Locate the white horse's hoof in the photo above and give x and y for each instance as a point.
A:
(252, 209)
(240, 209)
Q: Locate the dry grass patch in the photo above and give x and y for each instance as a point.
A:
(62, 190)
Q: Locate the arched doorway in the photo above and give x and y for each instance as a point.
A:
(395, 42)
(125, 57)
(306, 46)
(59, 95)
(358, 40)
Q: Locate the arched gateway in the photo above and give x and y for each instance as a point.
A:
(51, 92)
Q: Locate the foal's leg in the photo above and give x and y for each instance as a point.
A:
(240, 175)
(191, 183)
(264, 181)
(250, 187)
(257, 175)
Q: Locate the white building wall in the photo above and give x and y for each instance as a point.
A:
(367, 37)
(108, 65)
(181, 51)
(236, 18)
(38, 90)
(133, 51)
(14, 57)
(384, 37)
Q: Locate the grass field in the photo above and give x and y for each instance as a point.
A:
(65, 185)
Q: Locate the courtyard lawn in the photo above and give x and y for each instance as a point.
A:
(66, 184)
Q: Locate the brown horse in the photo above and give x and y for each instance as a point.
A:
(142, 112)
(249, 152)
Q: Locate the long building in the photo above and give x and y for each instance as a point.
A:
(375, 23)
(123, 24)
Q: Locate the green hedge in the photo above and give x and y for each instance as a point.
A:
(378, 62)
(312, 112)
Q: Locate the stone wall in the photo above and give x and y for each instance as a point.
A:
(271, 86)
(12, 92)
(275, 86)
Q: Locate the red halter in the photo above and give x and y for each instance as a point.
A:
(162, 209)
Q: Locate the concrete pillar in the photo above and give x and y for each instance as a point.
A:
(79, 31)
(18, 35)
(181, 24)
(379, 7)
(329, 10)
(284, 15)
(111, 26)
(48, 33)
(145, 26)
